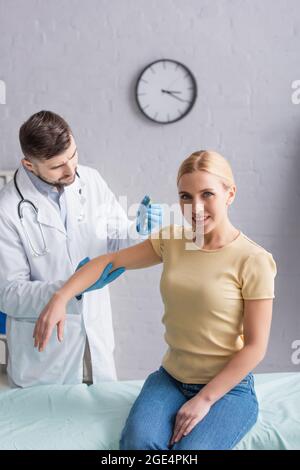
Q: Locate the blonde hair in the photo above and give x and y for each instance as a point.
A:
(210, 161)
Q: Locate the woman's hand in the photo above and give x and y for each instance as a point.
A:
(53, 314)
(190, 414)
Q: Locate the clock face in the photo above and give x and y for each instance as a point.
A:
(166, 91)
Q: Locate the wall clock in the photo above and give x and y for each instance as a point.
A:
(166, 91)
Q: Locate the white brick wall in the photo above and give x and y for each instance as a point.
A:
(82, 60)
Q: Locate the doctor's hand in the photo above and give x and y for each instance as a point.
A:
(53, 315)
(190, 414)
(105, 278)
(149, 216)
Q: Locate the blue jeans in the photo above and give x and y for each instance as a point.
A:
(151, 420)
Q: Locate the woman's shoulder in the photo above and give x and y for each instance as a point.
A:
(251, 249)
(251, 244)
(258, 270)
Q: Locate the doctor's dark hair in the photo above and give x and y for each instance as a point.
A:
(44, 135)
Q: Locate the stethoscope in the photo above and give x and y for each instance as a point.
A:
(24, 201)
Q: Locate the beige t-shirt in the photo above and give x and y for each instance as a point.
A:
(203, 292)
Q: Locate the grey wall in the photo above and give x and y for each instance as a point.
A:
(81, 59)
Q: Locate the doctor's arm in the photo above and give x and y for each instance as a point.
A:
(21, 297)
(135, 257)
(121, 232)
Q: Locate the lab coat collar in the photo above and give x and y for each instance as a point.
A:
(47, 214)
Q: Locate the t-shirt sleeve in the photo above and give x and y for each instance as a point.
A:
(258, 276)
(157, 240)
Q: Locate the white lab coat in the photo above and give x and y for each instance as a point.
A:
(27, 282)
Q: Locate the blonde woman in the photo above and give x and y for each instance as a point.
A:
(218, 308)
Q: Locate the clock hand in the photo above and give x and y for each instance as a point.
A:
(170, 91)
(174, 96)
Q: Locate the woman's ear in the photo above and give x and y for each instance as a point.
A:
(231, 197)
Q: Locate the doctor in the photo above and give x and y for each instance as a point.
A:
(54, 214)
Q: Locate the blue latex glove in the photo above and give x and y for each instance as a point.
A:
(105, 278)
(149, 216)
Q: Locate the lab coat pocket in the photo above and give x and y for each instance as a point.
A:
(28, 366)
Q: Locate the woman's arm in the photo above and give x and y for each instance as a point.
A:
(256, 325)
(139, 256)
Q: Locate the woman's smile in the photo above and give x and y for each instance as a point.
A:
(201, 219)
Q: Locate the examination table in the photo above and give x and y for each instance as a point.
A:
(92, 417)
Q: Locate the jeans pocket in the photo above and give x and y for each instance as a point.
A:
(244, 381)
(244, 386)
(247, 380)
